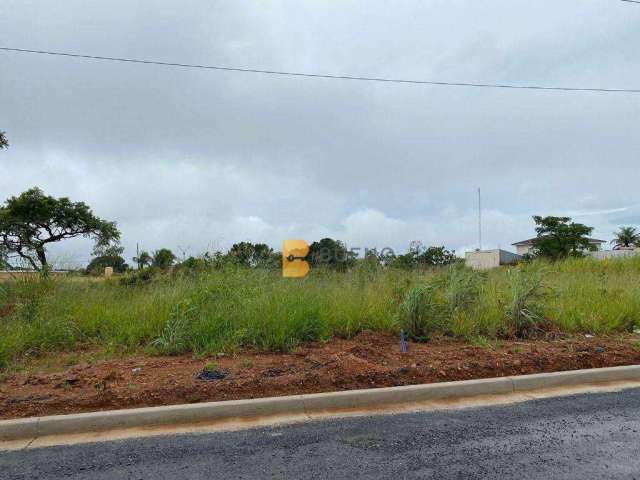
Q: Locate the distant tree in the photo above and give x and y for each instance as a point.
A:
(215, 259)
(241, 253)
(98, 264)
(405, 261)
(626, 237)
(331, 253)
(4, 143)
(108, 250)
(419, 256)
(262, 255)
(558, 238)
(144, 259)
(33, 220)
(372, 258)
(193, 263)
(107, 256)
(272, 260)
(436, 256)
(375, 259)
(254, 255)
(163, 258)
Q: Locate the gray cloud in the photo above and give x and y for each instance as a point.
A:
(201, 158)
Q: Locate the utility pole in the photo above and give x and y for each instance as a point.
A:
(479, 220)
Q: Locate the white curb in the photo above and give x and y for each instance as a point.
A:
(303, 404)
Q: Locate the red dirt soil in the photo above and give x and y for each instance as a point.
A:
(7, 309)
(366, 361)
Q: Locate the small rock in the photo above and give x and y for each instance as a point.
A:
(136, 370)
(67, 382)
(588, 335)
(212, 375)
(599, 349)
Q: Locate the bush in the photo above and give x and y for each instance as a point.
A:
(420, 313)
(461, 287)
(140, 277)
(175, 335)
(525, 308)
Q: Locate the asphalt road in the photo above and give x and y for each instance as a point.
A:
(585, 436)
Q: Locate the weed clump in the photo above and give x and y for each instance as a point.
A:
(174, 338)
(461, 287)
(525, 309)
(420, 312)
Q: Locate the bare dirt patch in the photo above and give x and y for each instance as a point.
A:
(366, 361)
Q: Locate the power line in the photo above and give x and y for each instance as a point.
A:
(327, 76)
(630, 1)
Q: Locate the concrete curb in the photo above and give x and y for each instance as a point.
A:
(28, 428)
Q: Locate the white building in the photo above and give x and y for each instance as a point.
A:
(526, 246)
(488, 259)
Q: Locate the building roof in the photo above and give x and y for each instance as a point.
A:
(531, 241)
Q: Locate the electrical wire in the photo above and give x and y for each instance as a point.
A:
(325, 76)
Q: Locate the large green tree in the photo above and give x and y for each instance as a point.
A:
(626, 237)
(32, 221)
(254, 255)
(331, 253)
(163, 258)
(432, 256)
(559, 237)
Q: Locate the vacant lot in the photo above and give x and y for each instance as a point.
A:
(222, 311)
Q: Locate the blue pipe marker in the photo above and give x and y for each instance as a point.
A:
(403, 342)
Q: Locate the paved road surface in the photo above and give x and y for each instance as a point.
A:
(586, 436)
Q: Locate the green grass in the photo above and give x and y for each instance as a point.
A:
(215, 311)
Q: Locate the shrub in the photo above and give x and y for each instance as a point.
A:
(525, 309)
(140, 277)
(461, 287)
(174, 339)
(420, 314)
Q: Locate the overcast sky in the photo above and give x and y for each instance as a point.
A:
(196, 160)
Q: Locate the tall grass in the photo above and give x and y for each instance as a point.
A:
(213, 311)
